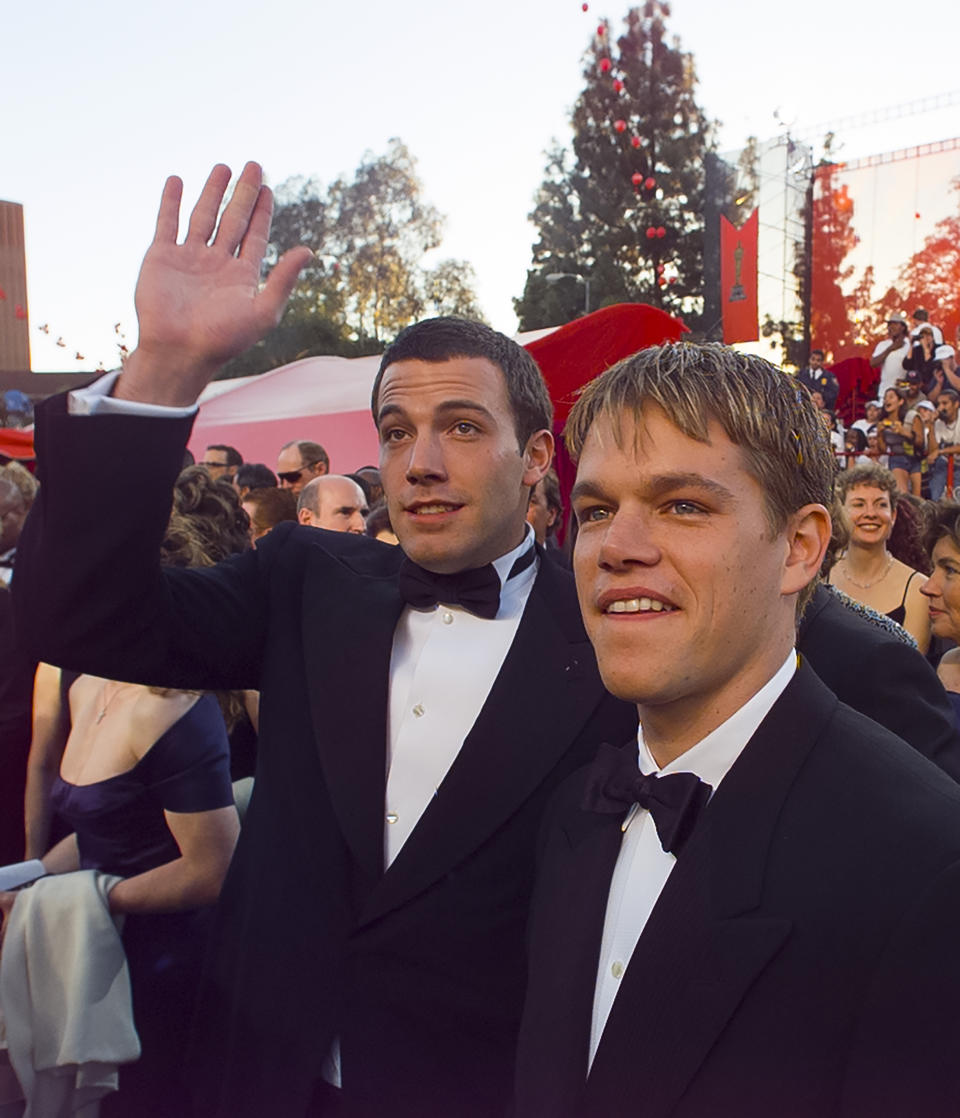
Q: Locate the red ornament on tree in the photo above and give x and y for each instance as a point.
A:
(617, 85)
(636, 178)
(661, 232)
(661, 268)
(604, 65)
(651, 232)
(672, 279)
(620, 125)
(662, 283)
(650, 183)
(585, 7)
(601, 30)
(635, 141)
(19, 312)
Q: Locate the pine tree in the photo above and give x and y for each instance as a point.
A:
(626, 208)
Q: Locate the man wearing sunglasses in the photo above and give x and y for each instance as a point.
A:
(221, 461)
(299, 462)
(368, 955)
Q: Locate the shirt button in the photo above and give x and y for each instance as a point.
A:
(418, 710)
(392, 817)
(447, 617)
(616, 970)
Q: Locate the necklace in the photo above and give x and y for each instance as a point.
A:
(102, 712)
(866, 585)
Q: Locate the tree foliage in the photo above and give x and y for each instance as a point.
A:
(636, 167)
(367, 280)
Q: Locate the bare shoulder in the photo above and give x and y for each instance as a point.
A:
(152, 711)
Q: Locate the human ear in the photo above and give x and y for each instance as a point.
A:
(807, 537)
(537, 456)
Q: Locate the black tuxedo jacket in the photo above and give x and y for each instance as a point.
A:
(801, 960)
(880, 676)
(419, 970)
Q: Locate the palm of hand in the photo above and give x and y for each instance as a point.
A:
(199, 300)
(200, 303)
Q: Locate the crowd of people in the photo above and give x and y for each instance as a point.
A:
(328, 825)
(912, 426)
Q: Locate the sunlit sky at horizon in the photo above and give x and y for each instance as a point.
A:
(105, 99)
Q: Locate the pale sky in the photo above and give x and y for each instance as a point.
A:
(104, 99)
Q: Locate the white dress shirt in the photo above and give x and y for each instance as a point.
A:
(643, 866)
(443, 664)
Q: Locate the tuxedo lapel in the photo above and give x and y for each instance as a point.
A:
(525, 726)
(708, 937)
(347, 643)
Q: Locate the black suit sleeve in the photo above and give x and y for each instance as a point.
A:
(908, 698)
(89, 590)
(881, 677)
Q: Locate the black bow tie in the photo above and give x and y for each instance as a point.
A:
(675, 801)
(476, 590)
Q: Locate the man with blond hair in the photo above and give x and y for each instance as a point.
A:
(755, 906)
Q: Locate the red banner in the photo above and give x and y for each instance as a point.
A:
(738, 279)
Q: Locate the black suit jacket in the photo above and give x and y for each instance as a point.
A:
(880, 676)
(801, 960)
(419, 970)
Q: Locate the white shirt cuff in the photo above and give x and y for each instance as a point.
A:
(95, 399)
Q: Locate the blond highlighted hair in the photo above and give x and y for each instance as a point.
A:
(761, 409)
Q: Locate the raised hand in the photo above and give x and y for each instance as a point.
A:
(200, 303)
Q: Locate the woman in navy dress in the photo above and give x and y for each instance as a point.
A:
(141, 778)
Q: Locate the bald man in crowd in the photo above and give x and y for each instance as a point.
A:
(333, 502)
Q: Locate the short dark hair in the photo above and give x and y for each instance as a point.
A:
(234, 457)
(378, 520)
(364, 486)
(551, 494)
(941, 520)
(271, 507)
(820, 351)
(949, 394)
(310, 453)
(440, 339)
(255, 475)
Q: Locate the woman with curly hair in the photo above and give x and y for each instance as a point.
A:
(141, 775)
(867, 571)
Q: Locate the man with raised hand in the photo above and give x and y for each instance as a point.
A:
(753, 909)
(368, 947)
